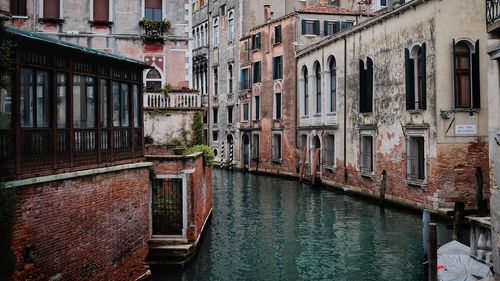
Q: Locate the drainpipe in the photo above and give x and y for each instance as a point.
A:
(345, 109)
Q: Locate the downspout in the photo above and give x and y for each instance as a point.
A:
(345, 110)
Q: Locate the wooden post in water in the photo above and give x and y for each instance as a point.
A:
(382, 188)
(432, 252)
(458, 218)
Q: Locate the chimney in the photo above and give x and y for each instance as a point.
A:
(267, 13)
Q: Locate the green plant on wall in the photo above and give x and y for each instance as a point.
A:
(154, 30)
(208, 154)
(197, 127)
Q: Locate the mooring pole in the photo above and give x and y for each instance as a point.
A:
(426, 219)
(382, 187)
(432, 252)
(458, 217)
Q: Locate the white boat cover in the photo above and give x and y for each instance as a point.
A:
(453, 248)
(461, 268)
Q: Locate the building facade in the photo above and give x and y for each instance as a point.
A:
(401, 97)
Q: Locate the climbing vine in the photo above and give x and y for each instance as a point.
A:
(197, 128)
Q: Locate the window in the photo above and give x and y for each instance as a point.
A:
(318, 88)
(366, 86)
(215, 115)
(230, 115)
(305, 110)
(415, 164)
(34, 103)
(222, 10)
(383, 3)
(466, 74)
(230, 80)
(6, 104)
(331, 27)
(256, 41)
(18, 8)
(121, 107)
(277, 34)
(245, 112)
(277, 106)
(230, 32)
(310, 27)
(215, 135)
(216, 82)
(278, 67)
(245, 47)
(51, 9)
(153, 10)
(255, 146)
(84, 101)
(137, 108)
(276, 147)
(216, 33)
(153, 80)
(256, 72)
(333, 85)
(62, 100)
(245, 79)
(415, 78)
(256, 112)
(100, 10)
(366, 154)
(329, 151)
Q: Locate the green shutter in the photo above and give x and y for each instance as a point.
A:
(325, 28)
(476, 89)
(303, 26)
(338, 26)
(316, 27)
(423, 98)
(410, 79)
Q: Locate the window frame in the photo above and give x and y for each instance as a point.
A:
(417, 133)
(278, 106)
(42, 13)
(92, 18)
(256, 41)
(255, 153)
(329, 151)
(256, 72)
(245, 108)
(144, 15)
(278, 67)
(277, 37)
(21, 9)
(256, 102)
(363, 170)
(473, 72)
(415, 75)
(277, 149)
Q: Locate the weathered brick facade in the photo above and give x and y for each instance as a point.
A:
(94, 227)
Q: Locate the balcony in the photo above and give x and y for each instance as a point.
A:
(492, 11)
(200, 52)
(179, 100)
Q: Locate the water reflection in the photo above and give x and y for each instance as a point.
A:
(266, 228)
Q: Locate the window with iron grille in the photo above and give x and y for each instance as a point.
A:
(255, 146)
(366, 154)
(415, 163)
(276, 147)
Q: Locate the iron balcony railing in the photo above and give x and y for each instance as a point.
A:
(492, 11)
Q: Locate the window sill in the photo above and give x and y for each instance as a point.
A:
(276, 161)
(415, 111)
(19, 17)
(276, 44)
(366, 113)
(418, 183)
(310, 35)
(100, 22)
(467, 109)
(256, 50)
(367, 174)
(51, 20)
(330, 168)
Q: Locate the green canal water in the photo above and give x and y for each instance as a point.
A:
(266, 228)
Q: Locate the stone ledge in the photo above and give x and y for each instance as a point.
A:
(70, 175)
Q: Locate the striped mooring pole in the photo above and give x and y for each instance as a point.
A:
(222, 156)
(230, 156)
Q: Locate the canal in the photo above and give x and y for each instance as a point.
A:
(266, 228)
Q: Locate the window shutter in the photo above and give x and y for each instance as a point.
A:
(369, 84)
(281, 67)
(362, 86)
(338, 25)
(18, 7)
(51, 9)
(455, 90)
(410, 80)
(476, 83)
(325, 28)
(303, 27)
(316, 27)
(275, 68)
(423, 59)
(101, 10)
(421, 157)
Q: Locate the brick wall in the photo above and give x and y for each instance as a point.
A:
(87, 228)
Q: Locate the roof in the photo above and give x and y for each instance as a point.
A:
(331, 10)
(42, 38)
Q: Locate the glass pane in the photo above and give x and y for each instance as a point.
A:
(149, 14)
(90, 102)
(103, 88)
(42, 99)
(157, 14)
(124, 106)
(61, 100)
(137, 108)
(6, 105)
(116, 104)
(78, 107)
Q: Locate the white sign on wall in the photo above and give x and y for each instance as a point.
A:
(465, 129)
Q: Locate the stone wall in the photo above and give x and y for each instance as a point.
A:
(168, 126)
(93, 227)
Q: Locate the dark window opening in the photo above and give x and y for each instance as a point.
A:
(153, 10)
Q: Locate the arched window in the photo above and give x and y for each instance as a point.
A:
(305, 91)
(333, 85)
(318, 87)
(366, 86)
(216, 33)
(466, 74)
(415, 78)
(153, 80)
(230, 78)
